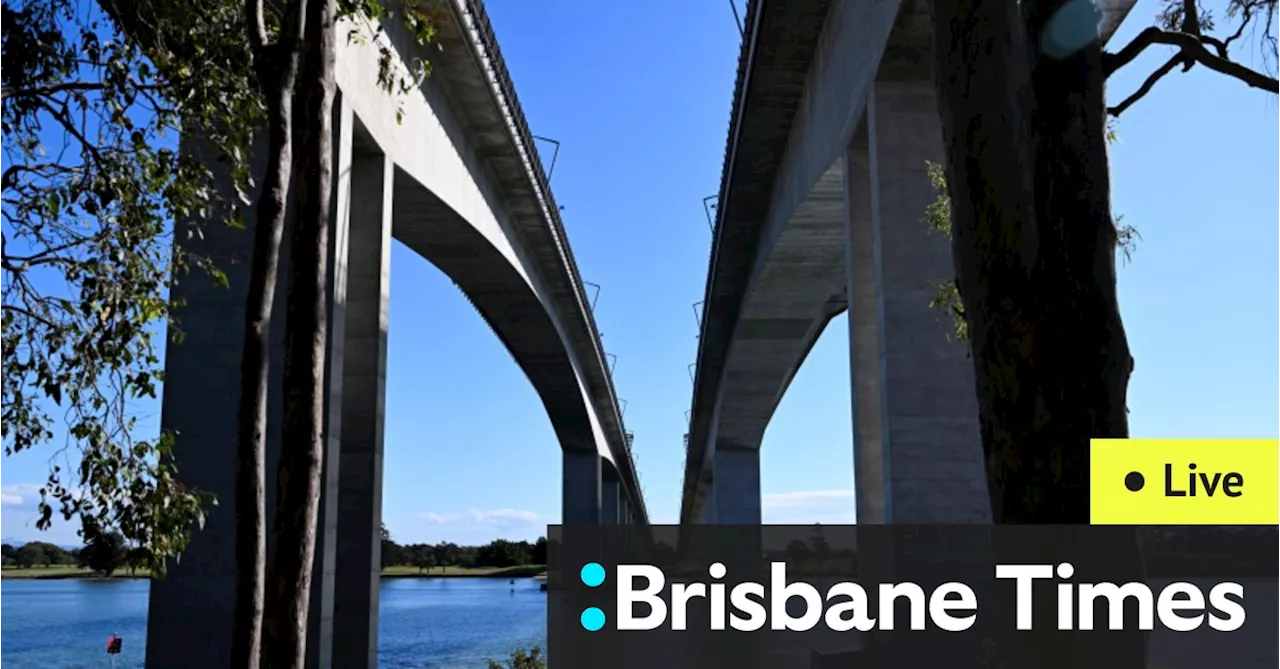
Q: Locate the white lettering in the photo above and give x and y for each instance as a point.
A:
(629, 596)
(1023, 574)
(1168, 605)
(1233, 608)
(781, 592)
(857, 605)
(939, 606)
(1115, 596)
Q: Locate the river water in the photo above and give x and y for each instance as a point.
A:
(425, 622)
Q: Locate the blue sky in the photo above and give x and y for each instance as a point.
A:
(638, 94)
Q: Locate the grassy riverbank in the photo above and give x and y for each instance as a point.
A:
(70, 571)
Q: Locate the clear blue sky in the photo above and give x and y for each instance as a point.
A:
(639, 94)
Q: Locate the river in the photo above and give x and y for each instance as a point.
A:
(425, 622)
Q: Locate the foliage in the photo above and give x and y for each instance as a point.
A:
(368, 21)
(538, 555)
(497, 553)
(35, 554)
(94, 97)
(92, 184)
(106, 552)
(32, 555)
(522, 659)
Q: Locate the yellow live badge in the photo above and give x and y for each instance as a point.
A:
(1184, 482)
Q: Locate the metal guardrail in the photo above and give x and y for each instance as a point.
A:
(473, 12)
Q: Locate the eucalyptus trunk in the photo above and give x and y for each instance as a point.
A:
(276, 69)
(301, 459)
(1034, 246)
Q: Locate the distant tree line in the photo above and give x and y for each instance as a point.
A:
(497, 553)
(106, 554)
(109, 553)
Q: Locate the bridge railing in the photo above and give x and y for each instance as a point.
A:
(717, 233)
(474, 14)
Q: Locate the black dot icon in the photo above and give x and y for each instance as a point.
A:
(1134, 481)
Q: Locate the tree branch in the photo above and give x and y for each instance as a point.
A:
(256, 27)
(1146, 85)
(33, 91)
(30, 314)
(1192, 49)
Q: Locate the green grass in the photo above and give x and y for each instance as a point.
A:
(58, 571)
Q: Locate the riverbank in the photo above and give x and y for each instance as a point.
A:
(520, 571)
(398, 571)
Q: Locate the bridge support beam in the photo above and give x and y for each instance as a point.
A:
(581, 488)
(357, 561)
(610, 501)
(918, 457)
(737, 497)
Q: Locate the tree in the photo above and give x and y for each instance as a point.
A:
(1034, 240)
(106, 552)
(818, 541)
(137, 558)
(392, 553)
(276, 64)
(422, 556)
(539, 553)
(32, 555)
(1034, 237)
(521, 659)
(300, 111)
(9, 553)
(447, 554)
(52, 554)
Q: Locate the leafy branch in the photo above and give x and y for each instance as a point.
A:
(92, 186)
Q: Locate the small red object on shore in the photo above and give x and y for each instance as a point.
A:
(114, 644)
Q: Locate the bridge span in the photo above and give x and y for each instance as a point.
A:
(460, 182)
(820, 212)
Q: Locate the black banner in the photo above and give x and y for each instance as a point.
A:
(1095, 597)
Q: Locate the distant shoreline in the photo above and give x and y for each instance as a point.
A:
(60, 572)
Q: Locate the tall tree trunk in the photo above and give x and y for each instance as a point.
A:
(1082, 366)
(1034, 245)
(276, 67)
(298, 480)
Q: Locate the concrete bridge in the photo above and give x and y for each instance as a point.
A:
(820, 212)
(459, 182)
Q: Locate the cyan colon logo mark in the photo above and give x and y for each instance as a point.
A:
(592, 576)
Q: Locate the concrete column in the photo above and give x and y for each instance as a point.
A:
(737, 497)
(707, 514)
(191, 610)
(918, 458)
(581, 488)
(320, 618)
(359, 516)
(610, 503)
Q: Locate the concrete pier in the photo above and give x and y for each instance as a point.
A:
(581, 488)
(610, 503)
(364, 379)
(918, 458)
(737, 488)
